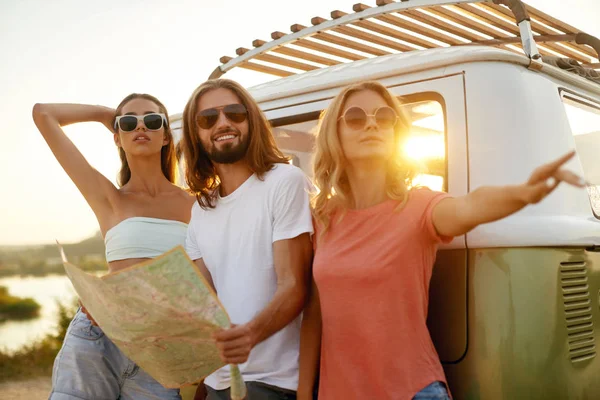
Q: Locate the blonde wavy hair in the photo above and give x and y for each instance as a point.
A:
(333, 192)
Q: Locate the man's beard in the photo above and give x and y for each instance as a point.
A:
(229, 153)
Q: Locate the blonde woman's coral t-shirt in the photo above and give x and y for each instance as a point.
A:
(372, 270)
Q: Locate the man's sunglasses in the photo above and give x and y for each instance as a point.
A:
(237, 113)
(356, 118)
(128, 123)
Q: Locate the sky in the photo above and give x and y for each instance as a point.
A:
(75, 51)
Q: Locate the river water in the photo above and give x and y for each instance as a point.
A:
(47, 291)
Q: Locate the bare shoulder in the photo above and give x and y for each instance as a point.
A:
(186, 200)
(184, 193)
(188, 197)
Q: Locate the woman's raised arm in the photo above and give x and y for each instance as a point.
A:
(49, 119)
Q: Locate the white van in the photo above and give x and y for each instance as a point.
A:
(494, 89)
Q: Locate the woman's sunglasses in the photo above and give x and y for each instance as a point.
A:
(356, 118)
(128, 123)
(237, 113)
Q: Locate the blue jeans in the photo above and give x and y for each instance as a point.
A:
(90, 367)
(435, 391)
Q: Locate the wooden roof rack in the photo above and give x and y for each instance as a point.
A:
(408, 25)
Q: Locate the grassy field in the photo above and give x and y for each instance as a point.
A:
(30, 389)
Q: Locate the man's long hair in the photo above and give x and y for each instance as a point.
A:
(201, 175)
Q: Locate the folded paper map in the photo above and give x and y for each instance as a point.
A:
(161, 314)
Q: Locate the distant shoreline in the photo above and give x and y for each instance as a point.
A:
(44, 260)
(13, 308)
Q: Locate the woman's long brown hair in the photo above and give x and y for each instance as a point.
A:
(168, 160)
(261, 156)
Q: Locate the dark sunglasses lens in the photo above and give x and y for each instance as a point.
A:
(153, 121)
(235, 112)
(128, 123)
(385, 117)
(355, 118)
(208, 118)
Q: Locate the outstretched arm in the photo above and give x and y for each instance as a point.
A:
(457, 216)
(50, 118)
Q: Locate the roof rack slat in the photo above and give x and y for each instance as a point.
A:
(401, 23)
(260, 68)
(347, 30)
(423, 30)
(350, 44)
(298, 54)
(481, 21)
(279, 60)
(277, 35)
(327, 37)
(490, 19)
(286, 62)
(387, 31)
(475, 25)
(312, 45)
(420, 16)
(405, 24)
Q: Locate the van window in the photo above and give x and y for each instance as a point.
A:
(426, 144)
(584, 118)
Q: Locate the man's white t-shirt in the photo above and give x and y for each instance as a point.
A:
(235, 240)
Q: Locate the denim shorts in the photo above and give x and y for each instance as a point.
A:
(90, 367)
(435, 391)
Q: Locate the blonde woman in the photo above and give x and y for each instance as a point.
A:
(376, 242)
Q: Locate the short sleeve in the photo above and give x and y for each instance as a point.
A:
(427, 200)
(291, 205)
(191, 240)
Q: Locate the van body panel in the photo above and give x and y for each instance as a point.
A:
(533, 324)
(447, 315)
(529, 128)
